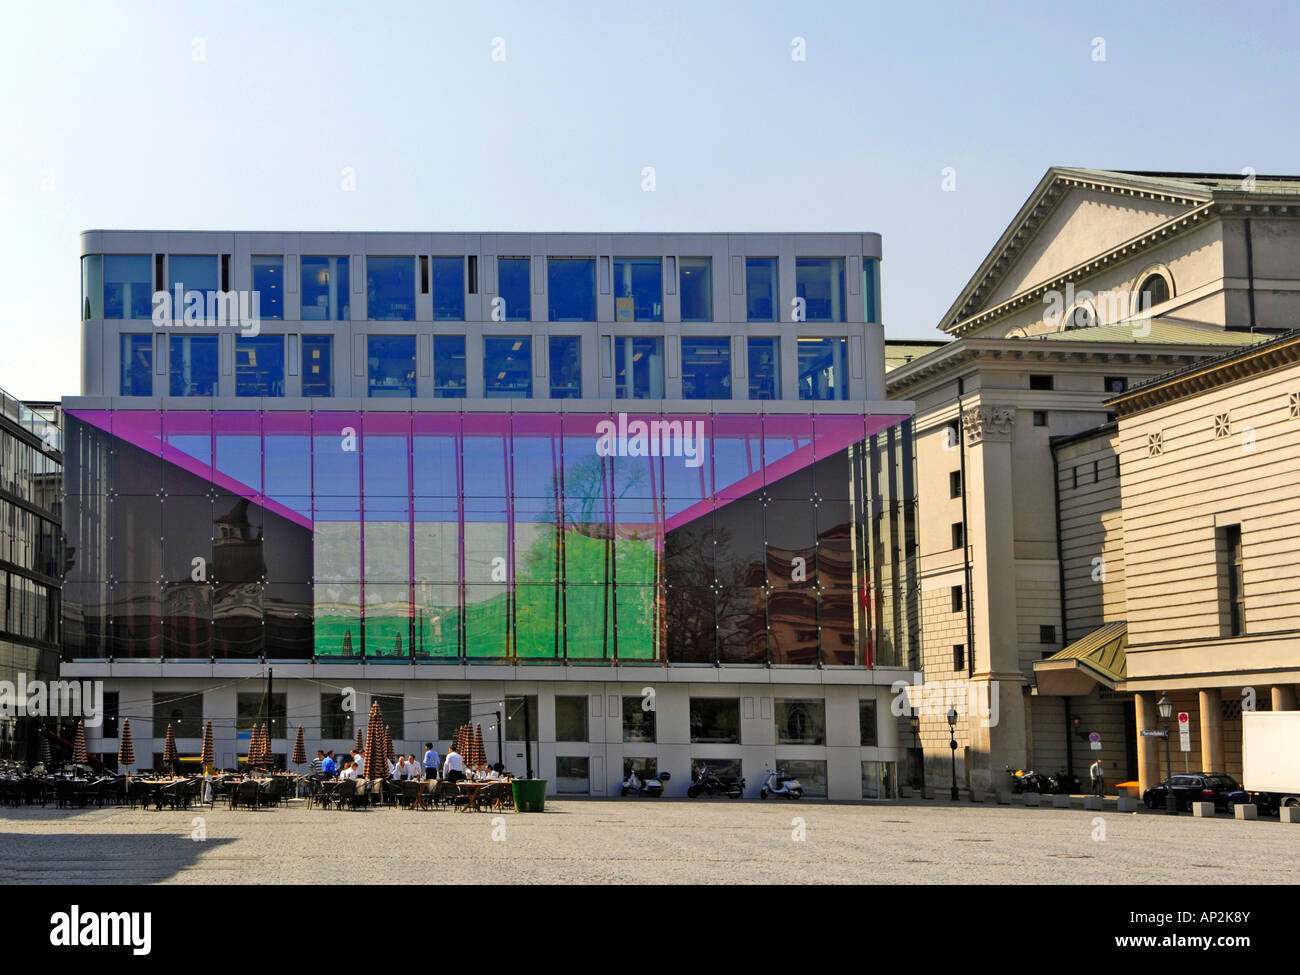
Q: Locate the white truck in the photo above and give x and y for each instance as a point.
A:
(1270, 758)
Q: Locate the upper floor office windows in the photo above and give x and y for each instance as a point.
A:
(638, 367)
(870, 290)
(268, 282)
(116, 286)
(259, 365)
(137, 365)
(706, 367)
(194, 272)
(697, 289)
(638, 289)
(448, 289)
(764, 367)
(390, 289)
(391, 365)
(325, 289)
(571, 289)
(449, 366)
(822, 372)
(514, 288)
(819, 281)
(192, 365)
(507, 366)
(566, 366)
(761, 289)
(318, 365)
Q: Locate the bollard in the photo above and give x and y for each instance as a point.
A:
(1060, 802)
(1246, 810)
(927, 793)
(1031, 799)
(1126, 804)
(1203, 810)
(1093, 802)
(1289, 814)
(1004, 798)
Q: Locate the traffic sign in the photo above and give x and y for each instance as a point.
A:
(1182, 717)
(1154, 734)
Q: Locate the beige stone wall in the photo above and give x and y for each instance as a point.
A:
(1092, 533)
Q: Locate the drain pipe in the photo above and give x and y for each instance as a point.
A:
(1250, 276)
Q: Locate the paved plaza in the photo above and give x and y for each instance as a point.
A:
(644, 841)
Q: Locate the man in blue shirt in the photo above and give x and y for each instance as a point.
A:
(430, 762)
(329, 767)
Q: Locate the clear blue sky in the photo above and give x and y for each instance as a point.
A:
(111, 122)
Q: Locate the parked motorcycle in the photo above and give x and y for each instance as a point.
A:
(651, 785)
(780, 784)
(1027, 780)
(705, 780)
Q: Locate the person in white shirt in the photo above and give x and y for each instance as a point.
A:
(413, 769)
(453, 769)
(361, 763)
(397, 769)
(349, 772)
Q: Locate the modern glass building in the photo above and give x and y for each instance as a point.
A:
(418, 480)
(31, 446)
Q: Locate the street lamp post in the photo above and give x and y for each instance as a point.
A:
(952, 734)
(1166, 709)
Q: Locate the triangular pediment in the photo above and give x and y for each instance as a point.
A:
(1072, 216)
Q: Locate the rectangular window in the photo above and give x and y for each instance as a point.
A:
(764, 368)
(715, 720)
(696, 288)
(507, 367)
(192, 365)
(514, 287)
(453, 713)
(1115, 384)
(518, 725)
(570, 717)
(1040, 418)
(127, 291)
(638, 720)
(819, 281)
(954, 484)
(1235, 590)
(193, 272)
(391, 366)
(870, 290)
(259, 365)
(1040, 382)
(638, 289)
(137, 365)
(472, 273)
(638, 367)
(393, 708)
(958, 657)
(571, 289)
(268, 282)
(706, 367)
(566, 366)
(449, 366)
(448, 289)
(326, 296)
(251, 709)
(957, 534)
(1046, 634)
(390, 289)
(92, 286)
(800, 722)
(867, 735)
(424, 274)
(957, 599)
(335, 723)
(183, 712)
(761, 289)
(318, 365)
(811, 773)
(822, 369)
(571, 776)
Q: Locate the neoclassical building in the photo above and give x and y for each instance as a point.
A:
(1103, 281)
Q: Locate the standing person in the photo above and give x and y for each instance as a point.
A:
(317, 764)
(430, 761)
(329, 767)
(453, 769)
(1098, 773)
(359, 761)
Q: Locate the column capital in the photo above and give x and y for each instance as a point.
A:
(982, 423)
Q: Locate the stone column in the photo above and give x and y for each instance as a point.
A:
(1284, 697)
(1211, 729)
(1148, 748)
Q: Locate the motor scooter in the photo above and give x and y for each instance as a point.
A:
(780, 784)
(651, 785)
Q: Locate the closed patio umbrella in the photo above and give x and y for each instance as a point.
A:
(388, 744)
(376, 767)
(299, 748)
(79, 756)
(169, 749)
(360, 743)
(125, 747)
(480, 753)
(207, 757)
(45, 748)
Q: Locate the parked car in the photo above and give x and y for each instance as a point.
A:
(1222, 790)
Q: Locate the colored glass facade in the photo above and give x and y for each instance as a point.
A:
(636, 538)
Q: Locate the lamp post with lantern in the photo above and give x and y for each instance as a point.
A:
(1166, 709)
(952, 744)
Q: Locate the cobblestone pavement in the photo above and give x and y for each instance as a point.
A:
(640, 841)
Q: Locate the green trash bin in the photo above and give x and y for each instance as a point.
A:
(530, 795)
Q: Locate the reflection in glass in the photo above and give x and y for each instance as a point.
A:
(566, 366)
(390, 289)
(137, 365)
(318, 365)
(515, 289)
(449, 366)
(193, 364)
(638, 289)
(822, 369)
(764, 367)
(391, 365)
(507, 367)
(326, 296)
(571, 289)
(697, 289)
(259, 365)
(761, 289)
(448, 289)
(638, 367)
(706, 367)
(128, 286)
(819, 281)
(268, 282)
